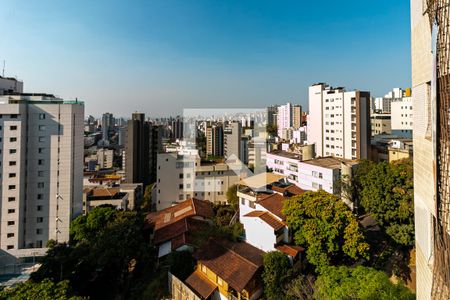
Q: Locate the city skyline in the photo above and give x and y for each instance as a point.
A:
(163, 57)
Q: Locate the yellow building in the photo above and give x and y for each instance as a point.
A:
(227, 270)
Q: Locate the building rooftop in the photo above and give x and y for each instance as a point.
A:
(267, 217)
(235, 263)
(179, 232)
(201, 284)
(329, 162)
(261, 180)
(185, 209)
(287, 154)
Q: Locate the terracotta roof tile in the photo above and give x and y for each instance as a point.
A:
(267, 218)
(274, 204)
(236, 263)
(201, 284)
(178, 228)
(188, 208)
(290, 250)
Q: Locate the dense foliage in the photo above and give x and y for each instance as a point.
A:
(44, 290)
(358, 283)
(277, 271)
(324, 225)
(232, 197)
(386, 192)
(107, 252)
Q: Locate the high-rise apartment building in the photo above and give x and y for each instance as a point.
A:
(214, 140)
(339, 122)
(272, 118)
(141, 149)
(430, 72)
(297, 117)
(107, 125)
(284, 118)
(232, 140)
(41, 167)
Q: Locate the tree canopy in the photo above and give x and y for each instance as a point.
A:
(325, 226)
(358, 283)
(44, 290)
(277, 271)
(107, 249)
(232, 197)
(386, 192)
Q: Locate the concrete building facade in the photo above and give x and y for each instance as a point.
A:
(339, 122)
(41, 166)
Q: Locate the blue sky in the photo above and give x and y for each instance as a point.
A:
(161, 56)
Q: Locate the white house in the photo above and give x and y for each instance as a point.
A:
(260, 210)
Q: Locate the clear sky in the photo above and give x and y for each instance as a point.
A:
(161, 56)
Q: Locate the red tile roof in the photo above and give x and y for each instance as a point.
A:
(290, 250)
(201, 284)
(170, 215)
(236, 263)
(177, 229)
(267, 218)
(274, 204)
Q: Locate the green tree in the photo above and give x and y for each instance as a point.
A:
(301, 287)
(85, 228)
(358, 283)
(324, 225)
(146, 204)
(232, 197)
(387, 194)
(44, 290)
(277, 271)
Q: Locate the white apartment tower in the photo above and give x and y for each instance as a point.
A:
(41, 168)
(339, 122)
(284, 118)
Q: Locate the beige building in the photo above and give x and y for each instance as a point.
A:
(41, 169)
(431, 261)
(105, 158)
(380, 124)
(180, 177)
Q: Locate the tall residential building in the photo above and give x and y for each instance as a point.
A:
(41, 167)
(137, 155)
(107, 125)
(232, 140)
(339, 122)
(214, 140)
(177, 128)
(272, 112)
(284, 117)
(430, 72)
(297, 117)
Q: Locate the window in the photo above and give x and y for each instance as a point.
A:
(11, 199)
(12, 163)
(180, 186)
(242, 201)
(180, 175)
(40, 185)
(11, 223)
(12, 175)
(9, 247)
(41, 150)
(13, 116)
(41, 127)
(203, 269)
(40, 196)
(10, 235)
(11, 211)
(41, 116)
(39, 244)
(12, 151)
(181, 197)
(39, 231)
(251, 204)
(219, 281)
(41, 139)
(40, 162)
(39, 208)
(13, 127)
(39, 219)
(13, 139)
(11, 187)
(40, 173)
